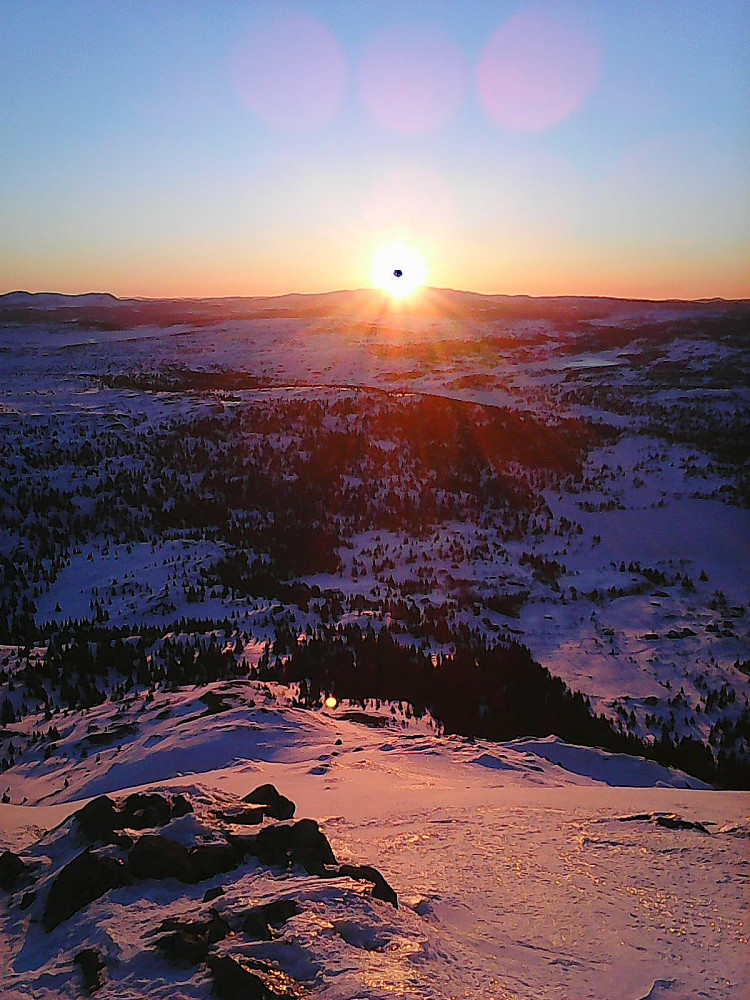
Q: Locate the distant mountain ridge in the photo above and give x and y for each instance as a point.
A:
(366, 305)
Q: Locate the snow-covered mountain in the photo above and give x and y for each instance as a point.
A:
(525, 869)
(509, 536)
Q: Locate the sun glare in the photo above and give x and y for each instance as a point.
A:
(398, 270)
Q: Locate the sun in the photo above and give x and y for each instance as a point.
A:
(399, 270)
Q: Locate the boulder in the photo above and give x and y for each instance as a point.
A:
(210, 859)
(276, 805)
(91, 965)
(366, 873)
(211, 894)
(101, 818)
(87, 877)
(11, 867)
(301, 843)
(244, 817)
(258, 921)
(183, 947)
(98, 819)
(143, 811)
(310, 848)
(233, 981)
(156, 856)
(250, 980)
(186, 942)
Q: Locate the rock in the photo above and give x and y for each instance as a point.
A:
(245, 817)
(210, 859)
(256, 927)
(310, 847)
(214, 893)
(277, 806)
(87, 877)
(91, 965)
(11, 867)
(279, 911)
(366, 873)
(677, 823)
(187, 941)
(155, 856)
(142, 811)
(184, 947)
(251, 980)
(98, 819)
(302, 843)
(233, 981)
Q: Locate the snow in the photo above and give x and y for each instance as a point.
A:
(518, 877)
(521, 870)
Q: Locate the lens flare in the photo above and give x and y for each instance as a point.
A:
(535, 71)
(331, 702)
(412, 78)
(291, 73)
(399, 270)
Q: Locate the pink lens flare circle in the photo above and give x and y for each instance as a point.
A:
(291, 73)
(412, 78)
(535, 71)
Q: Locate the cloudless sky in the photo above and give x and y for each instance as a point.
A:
(166, 148)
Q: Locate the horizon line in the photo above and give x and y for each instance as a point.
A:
(373, 291)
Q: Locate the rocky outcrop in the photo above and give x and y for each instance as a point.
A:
(91, 965)
(156, 856)
(84, 879)
(249, 979)
(275, 805)
(302, 843)
(366, 873)
(259, 920)
(101, 819)
(187, 942)
(11, 868)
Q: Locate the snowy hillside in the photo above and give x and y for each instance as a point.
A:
(531, 869)
(504, 540)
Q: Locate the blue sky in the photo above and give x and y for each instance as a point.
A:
(255, 148)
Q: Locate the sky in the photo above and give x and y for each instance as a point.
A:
(256, 148)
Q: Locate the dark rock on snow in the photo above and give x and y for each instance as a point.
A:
(214, 893)
(244, 817)
(210, 859)
(101, 818)
(302, 843)
(11, 867)
(187, 941)
(258, 921)
(366, 873)
(155, 856)
(84, 879)
(677, 823)
(91, 965)
(250, 980)
(277, 806)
